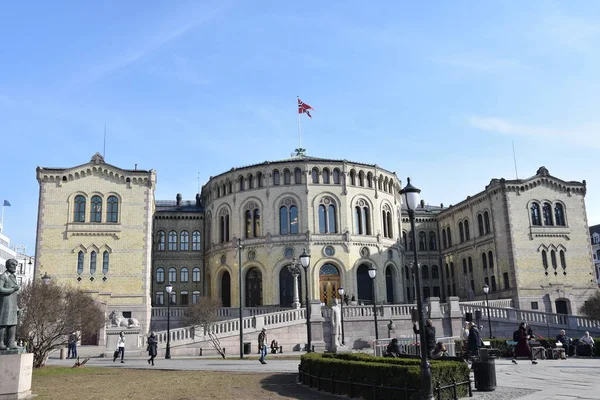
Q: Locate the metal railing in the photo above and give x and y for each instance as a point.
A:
(410, 346)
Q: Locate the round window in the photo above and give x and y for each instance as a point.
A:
(365, 252)
(329, 251)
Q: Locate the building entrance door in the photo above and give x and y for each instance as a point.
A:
(329, 283)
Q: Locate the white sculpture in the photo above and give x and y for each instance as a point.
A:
(117, 319)
(336, 322)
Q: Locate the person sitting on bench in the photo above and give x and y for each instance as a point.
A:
(274, 347)
(586, 346)
(393, 349)
(439, 351)
(567, 343)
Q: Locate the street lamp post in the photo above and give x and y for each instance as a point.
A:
(411, 199)
(305, 261)
(169, 289)
(341, 293)
(240, 247)
(373, 274)
(486, 290)
(294, 268)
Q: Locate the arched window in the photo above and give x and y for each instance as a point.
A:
(80, 262)
(452, 269)
(491, 259)
(260, 179)
(353, 177)
(486, 222)
(449, 233)
(535, 214)
(336, 176)
(559, 214)
(325, 175)
(553, 259)
(422, 241)
(563, 262)
(160, 240)
(461, 232)
(470, 265)
(105, 262)
(196, 275)
(447, 272)
(327, 217)
(173, 298)
(172, 275)
(196, 241)
(362, 222)
(287, 177)
(275, 177)
(159, 299)
(241, 182)
(93, 262)
(545, 261)
(315, 175)
(172, 240)
(96, 215)
(386, 217)
(480, 224)
(195, 297)
(424, 272)
(250, 185)
(432, 241)
(252, 220)
(370, 180)
(547, 213)
(426, 292)
(483, 260)
(405, 239)
(410, 242)
(184, 297)
(79, 209)
(297, 176)
(361, 178)
(224, 225)
(444, 239)
(435, 272)
(380, 182)
(160, 275)
(467, 231)
(288, 218)
(184, 275)
(464, 264)
(184, 241)
(230, 190)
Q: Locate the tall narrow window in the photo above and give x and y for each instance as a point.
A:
(336, 176)
(184, 241)
(159, 299)
(486, 222)
(283, 221)
(559, 214)
(461, 232)
(547, 213)
(112, 209)
(464, 264)
(224, 226)
(80, 262)
(361, 178)
(353, 177)
(196, 275)
(386, 220)
(322, 219)
(327, 217)
(250, 181)
(276, 178)
(315, 175)
(325, 176)
(493, 283)
(480, 224)
(79, 209)
(195, 297)
(563, 262)
(172, 240)
(545, 261)
(449, 232)
(432, 241)
(93, 262)
(184, 297)
(173, 298)
(260, 179)
(288, 218)
(422, 241)
(506, 280)
(105, 262)
(196, 241)
(297, 176)
(444, 239)
(370, 180)
(491, 259)
(96, 212)
(483, 260)
(248, 218)
(256, 223)
(242, 186)
(553, 259)
(160, 275)
(287, 177)
(535, 214)
(470, 262)
(425, 272)
(184, 275)
(362, 223)
(467, 231)
(172, 275)
(435, 274)
(160, 240)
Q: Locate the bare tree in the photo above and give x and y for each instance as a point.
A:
(591, 307)
(50, 312)
(204, 314)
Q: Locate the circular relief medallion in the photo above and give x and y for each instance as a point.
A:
(223, 259)
(287, 202)
(365, 252)
(289, 252)
(326, 200)
(251, 255)
(329, 251)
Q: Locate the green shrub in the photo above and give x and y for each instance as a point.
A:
(380, 371)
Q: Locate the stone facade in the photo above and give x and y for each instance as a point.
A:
(595, 237)
(94, 232)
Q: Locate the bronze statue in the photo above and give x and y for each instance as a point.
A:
(8, 305)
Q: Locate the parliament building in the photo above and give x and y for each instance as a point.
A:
(101, 229)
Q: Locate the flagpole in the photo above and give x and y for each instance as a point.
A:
(299, 134)
(2, 220)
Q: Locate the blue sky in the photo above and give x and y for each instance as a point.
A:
(437, 92)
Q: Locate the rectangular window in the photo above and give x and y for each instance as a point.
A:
(436, 291)
(534, 305)
(159, 299)
(196, 275)
(173, 297)
(195, 297)
(493, 283)
(184, 298)
(506, 281)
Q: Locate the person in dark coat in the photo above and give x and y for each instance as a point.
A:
(393, 349)
(567, 343)
(522, 349)
(474, 342)
(429, 335)
(152, 347)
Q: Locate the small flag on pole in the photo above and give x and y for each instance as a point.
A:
(304, 108)
(6, 203)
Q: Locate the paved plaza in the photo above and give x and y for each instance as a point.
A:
(574, 378)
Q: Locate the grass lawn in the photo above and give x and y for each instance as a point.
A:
(120, 383)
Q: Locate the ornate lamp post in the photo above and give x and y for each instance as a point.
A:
(410, 196)
(240, 248)
(373, 274)
(305, 261)
(169, 289)
(486, 290)
(294, 268)
(341, 293)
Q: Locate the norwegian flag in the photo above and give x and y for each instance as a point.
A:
(304, 108)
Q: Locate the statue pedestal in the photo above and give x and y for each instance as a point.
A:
(341, 349)
(15, 373)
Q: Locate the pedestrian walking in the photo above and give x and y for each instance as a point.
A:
(120, 348)
(522, 349)
(262, 347)
(152, 347)
(72, 345)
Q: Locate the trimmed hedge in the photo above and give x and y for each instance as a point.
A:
(393, 372)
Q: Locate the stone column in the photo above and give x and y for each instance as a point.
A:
(455, 316)
(435, 315)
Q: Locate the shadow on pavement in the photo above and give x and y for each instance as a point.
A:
(286, 385)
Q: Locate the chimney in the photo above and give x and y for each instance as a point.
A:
(178, 199)
(422, 203)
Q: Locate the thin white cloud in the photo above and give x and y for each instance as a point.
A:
(583, 135)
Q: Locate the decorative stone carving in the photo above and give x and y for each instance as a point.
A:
(117, 319)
